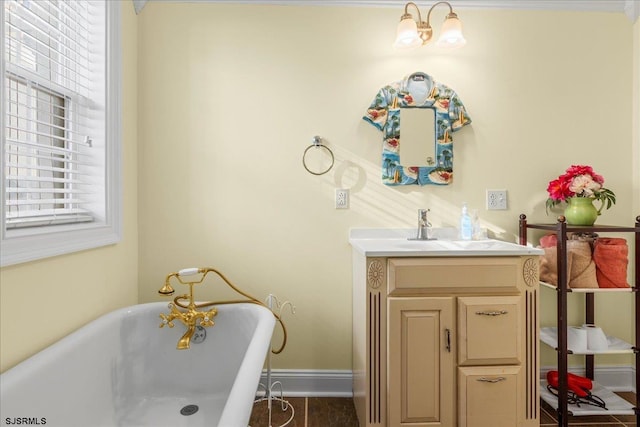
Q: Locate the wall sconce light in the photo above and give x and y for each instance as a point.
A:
(411, 33)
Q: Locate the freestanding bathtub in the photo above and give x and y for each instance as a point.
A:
(123, 370)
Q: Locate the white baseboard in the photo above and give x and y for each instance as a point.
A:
(310, 382)
(335, 383)
(616, 378)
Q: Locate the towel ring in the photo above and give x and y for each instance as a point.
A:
(317, 143)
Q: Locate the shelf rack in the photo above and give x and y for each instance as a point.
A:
(559, 342)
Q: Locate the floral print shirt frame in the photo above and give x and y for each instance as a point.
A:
(417, 90)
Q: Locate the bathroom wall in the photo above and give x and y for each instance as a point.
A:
(231, 95)
(636, 116)
(42, 301)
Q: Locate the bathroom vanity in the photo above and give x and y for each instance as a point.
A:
(445, 332)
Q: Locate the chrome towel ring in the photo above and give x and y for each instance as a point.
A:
(317, 143)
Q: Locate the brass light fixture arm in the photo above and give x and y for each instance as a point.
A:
(408, 15)
(192, 313)
(432, 7)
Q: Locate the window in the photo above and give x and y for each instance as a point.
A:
(61, 127)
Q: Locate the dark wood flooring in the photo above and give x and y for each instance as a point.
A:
(339, 412)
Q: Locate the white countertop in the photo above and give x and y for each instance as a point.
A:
(395, 243)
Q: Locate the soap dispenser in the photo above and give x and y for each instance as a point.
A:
(466, 225)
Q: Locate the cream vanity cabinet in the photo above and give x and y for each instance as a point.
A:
(445, 337)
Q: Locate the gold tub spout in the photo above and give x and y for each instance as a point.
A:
(190, 318)
(184, 342)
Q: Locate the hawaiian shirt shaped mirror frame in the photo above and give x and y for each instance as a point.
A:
(417, 91)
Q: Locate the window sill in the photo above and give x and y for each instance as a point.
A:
(30, 248)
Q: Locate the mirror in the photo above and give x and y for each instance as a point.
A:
(418, 134)
(417, 149)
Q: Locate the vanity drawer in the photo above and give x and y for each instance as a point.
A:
(489, 396)
(489, 330)
(418, 275)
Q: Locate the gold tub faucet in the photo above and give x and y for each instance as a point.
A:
(191, 317)
(185, 309)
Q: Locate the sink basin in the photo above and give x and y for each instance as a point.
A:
(422, 244)
(477, 245)
(452, 245)
(375, 242)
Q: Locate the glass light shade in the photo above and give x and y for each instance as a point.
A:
(407, 36)
(451, 33)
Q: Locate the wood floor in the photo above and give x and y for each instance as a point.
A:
(308, 412)
(339, 412)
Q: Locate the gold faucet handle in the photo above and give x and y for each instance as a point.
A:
(166, 320)
(207, 317)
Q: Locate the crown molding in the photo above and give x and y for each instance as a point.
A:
(629, 7)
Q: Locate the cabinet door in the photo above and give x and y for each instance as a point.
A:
(489, 396)
(420, 358)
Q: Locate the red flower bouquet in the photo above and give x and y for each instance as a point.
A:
(579, 181)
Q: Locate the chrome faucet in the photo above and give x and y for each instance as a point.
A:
(423, 226)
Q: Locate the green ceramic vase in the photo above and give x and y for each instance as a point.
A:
(581, 211)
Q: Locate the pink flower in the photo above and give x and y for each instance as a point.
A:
(558, 189)
(584, 185)
(579, 170)
(579, 181)
(598, 178)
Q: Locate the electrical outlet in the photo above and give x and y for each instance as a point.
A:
(496, 200)
(342, 198)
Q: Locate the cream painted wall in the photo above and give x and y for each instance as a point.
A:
(40, 302)
(636, 115)
(230, 96)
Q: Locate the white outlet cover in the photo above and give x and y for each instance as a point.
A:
(496, 200)
(342, 198)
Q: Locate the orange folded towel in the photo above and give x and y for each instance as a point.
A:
(611, 258)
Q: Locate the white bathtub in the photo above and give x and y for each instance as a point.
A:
(123, 370)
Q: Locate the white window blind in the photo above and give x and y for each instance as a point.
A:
(61, 127)
(53, 109)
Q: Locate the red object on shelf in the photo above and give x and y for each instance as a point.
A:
(577, 384)
(611, 257)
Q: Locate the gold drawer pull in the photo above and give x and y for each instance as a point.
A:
(491, 313)
(491, 380)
